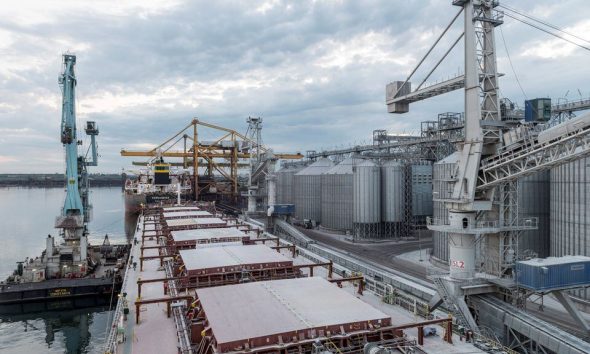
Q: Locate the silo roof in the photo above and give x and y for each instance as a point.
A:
(343, 168)
(317, 168)
(366, 163)
(392, 163)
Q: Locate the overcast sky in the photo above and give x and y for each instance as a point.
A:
(314, 70)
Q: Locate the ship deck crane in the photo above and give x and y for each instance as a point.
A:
(76, 210)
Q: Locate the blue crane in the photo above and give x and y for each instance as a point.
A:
(76, 210)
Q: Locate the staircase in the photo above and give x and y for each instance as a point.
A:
(456, 305)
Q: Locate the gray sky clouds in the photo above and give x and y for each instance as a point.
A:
(314, 70)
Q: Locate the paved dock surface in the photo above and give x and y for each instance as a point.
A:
(382, 253)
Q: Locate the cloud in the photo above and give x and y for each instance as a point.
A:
(558, 48)
(314, 70)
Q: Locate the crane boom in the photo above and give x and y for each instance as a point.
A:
(76, 209)
(67, 80)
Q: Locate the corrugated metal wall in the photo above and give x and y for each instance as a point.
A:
(570, 211)
(392, 198)
(534, 201)
(307, 193)
(366, 199)
(421, 192)
(285, 185)
(337, 199)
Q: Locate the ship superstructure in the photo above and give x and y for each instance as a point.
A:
(158, 182)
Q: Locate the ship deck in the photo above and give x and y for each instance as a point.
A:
(156, 332)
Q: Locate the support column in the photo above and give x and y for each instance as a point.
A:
(462, 246)
(571, 308)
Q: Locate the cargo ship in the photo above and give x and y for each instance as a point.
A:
(72, 268)
(212, 283)
(158, 183)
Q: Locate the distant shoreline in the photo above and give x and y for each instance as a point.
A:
(58, 180)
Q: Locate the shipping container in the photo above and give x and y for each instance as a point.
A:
(537, 110)
(283, 209)
(553, 273)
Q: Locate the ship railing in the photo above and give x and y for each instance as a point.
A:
(521, 223)
(178, 310)
(111, 342)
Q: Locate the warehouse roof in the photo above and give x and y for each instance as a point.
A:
(206, 258)
(258, 309)
(206, 234)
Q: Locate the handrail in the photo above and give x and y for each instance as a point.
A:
(111, 342)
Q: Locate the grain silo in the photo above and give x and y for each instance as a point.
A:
(366, 200)
(421, 192)
(337, 197)
(285, 184)
(534, 201)
(570, 211)
(392, 198)
(307, 193)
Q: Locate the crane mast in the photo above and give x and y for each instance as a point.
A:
(483, 204)
(76, 210)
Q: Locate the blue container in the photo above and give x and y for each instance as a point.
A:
(284, 209)
(537, 110)
(528, 111)
(553, 273)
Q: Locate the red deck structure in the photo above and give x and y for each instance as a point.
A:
(215, 266)
(271, 316)
(187, 239)
(193, 223)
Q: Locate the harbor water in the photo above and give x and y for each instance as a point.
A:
(61, 327)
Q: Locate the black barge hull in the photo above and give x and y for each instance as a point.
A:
(56, 289)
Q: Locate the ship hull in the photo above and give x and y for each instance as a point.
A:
(58, 289)
(133, 202)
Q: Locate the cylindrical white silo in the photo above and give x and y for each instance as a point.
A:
(570, 212)
(534, 201)
(421, 192)
(337, 200)
(392, 198)
(366, 200)
(307, 194)
(285, 183)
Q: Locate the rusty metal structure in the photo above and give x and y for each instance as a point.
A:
(215, 163)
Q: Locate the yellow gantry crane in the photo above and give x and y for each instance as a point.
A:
(222, 155)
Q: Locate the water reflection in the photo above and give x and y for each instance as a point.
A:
(68, 326)
(64, 326)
